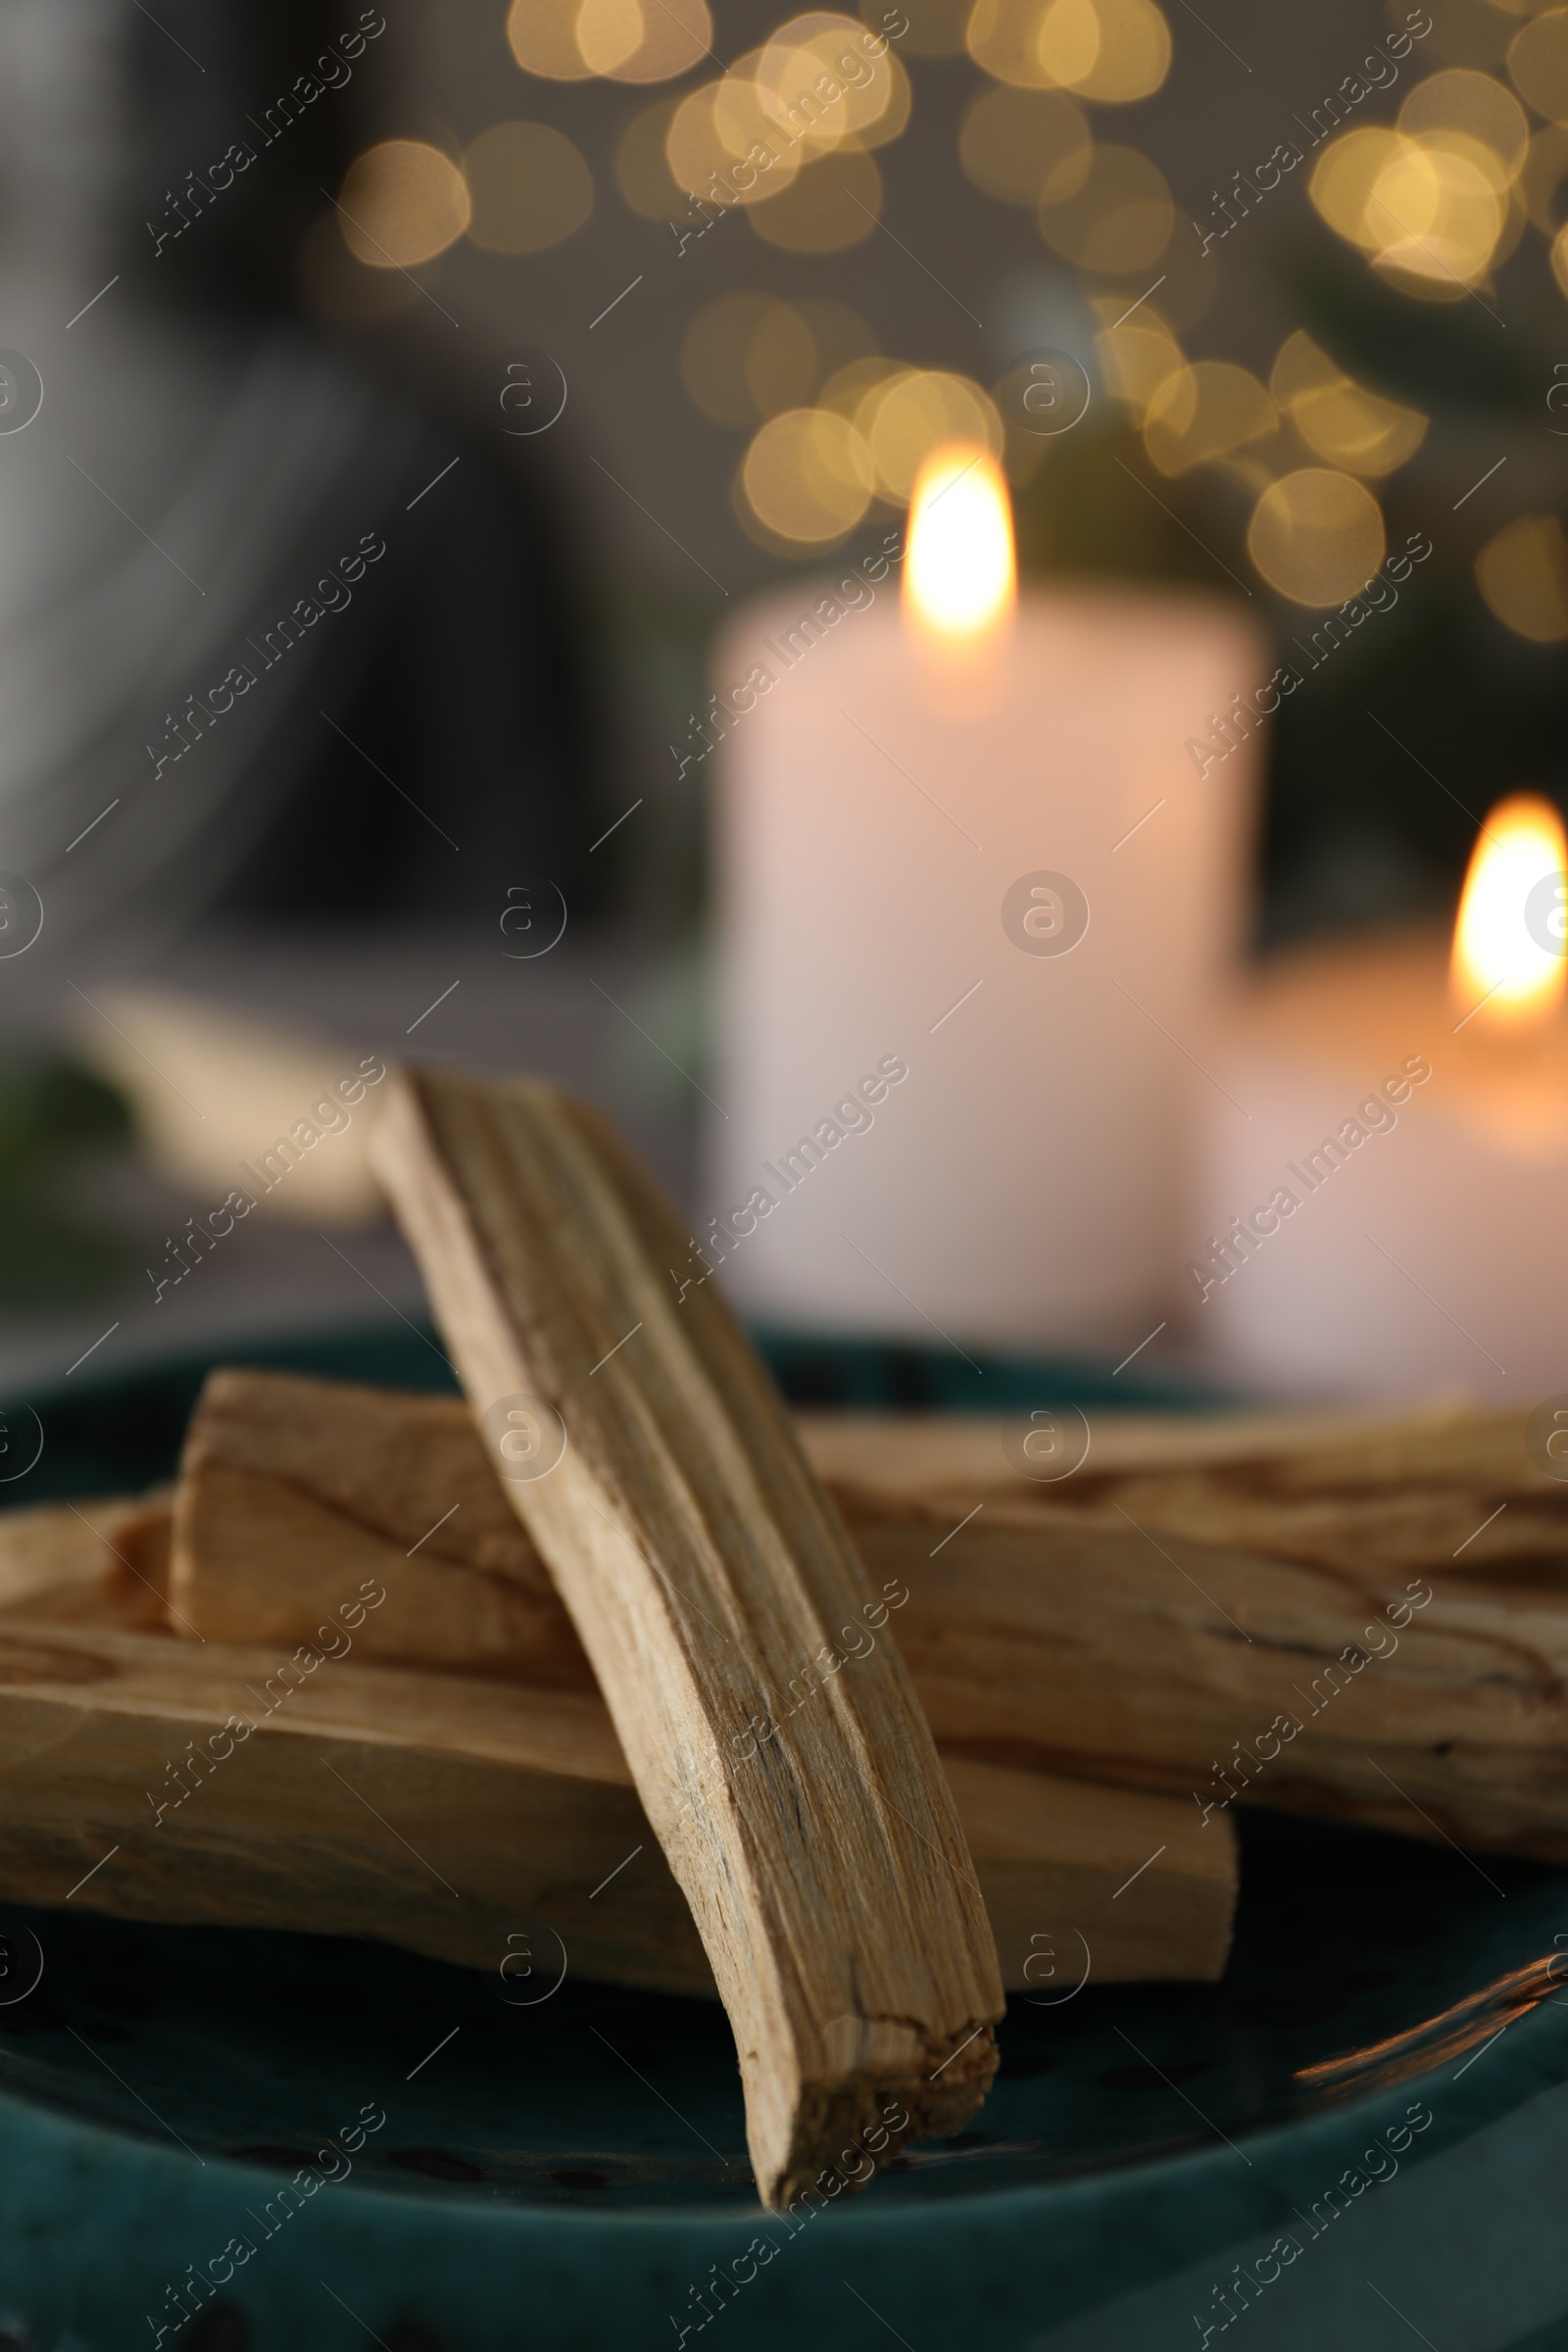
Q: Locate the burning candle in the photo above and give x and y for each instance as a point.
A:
(975, 898)
(1380, 1205)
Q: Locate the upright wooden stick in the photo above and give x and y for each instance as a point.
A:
(706, 1571)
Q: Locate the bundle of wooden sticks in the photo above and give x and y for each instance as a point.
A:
(609, 1668)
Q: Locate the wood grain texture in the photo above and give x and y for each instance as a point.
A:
(704, 1568)
(1116, 1638)
(281, 1475)
(234, 1788)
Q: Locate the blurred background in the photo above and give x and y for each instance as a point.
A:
(393, 403)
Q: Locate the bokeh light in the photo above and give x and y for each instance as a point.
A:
(1112, 51)
(828, 206)
(642, 165)
(725, 143)
(1523, 574)
(847, 387)
(906, 415)
(1475, 112)
(402, 203)
(542, 35)
(621, 40)
(748, 355)
(1430, 209)
(1190, 275)
(1316, 536)
(808, 477)
(529, 186)
(1136, 353)
(780, 363)
(1537, 59)
(1119, 218)
(822, 83)
(1025, 146)
(1340, 419)
(1204, 412)
(643, 40)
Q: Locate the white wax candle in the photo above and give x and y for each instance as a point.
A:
(947, 1114)
(1410, 1164)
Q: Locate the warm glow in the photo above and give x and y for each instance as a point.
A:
(959, 582)
(1508, 948)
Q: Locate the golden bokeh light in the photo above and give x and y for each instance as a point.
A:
(1131, 49)
(1345, 177)
(827, 207)
(808, 477)
(1523, 574)
(542, 35)
(1112, 51)
(1119, 217)
(1068, 42)
(847, 387)
(823, 82)
(907, 416)
(724, 143)
(1340, 419)
(609, 32)
(747, 356)
(1004, 37)
(529, 186)
(1191, 274)
(839, 331)
(1430, 209)
(1500, 971)
(643, 40)
(1439, 214)
(402, 203)
(1316, 536)
(641, 166)
(1136, 355)
(1204, 412)
(1538, 61)
(1559, 258)
(1025, 146)
(1474, 110)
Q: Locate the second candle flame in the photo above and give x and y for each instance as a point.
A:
(959, 578)
(1509, 946)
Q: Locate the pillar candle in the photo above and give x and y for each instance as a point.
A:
(979, 875)
(1382, 1177)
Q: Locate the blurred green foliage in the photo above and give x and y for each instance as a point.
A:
(55, 1119)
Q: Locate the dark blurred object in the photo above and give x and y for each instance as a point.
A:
(209, 706)
(54, 1117)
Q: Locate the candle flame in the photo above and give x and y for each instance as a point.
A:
(1509, 943)
(960, 579)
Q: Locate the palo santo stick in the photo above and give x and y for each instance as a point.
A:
(103, 1561)
(239, 1791)
(1093, 1642)
(280, 1469)
(703, 1567)
(281, 1478)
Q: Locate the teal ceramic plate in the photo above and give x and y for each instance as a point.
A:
(1360, 2129)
